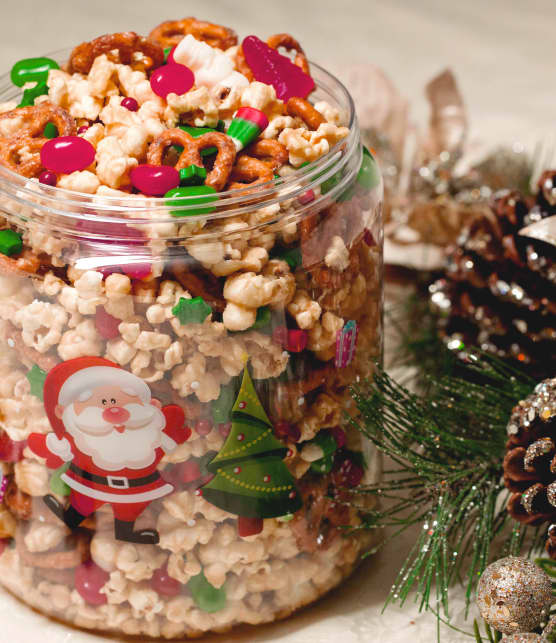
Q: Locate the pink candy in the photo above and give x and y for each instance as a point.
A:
(67, 154)
(270, 67)
(172, 79)
(155, 180)
(89, 580)
(106, 325)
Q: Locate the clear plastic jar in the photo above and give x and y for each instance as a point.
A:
(185, 378)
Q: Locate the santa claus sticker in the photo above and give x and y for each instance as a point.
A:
(113, 434)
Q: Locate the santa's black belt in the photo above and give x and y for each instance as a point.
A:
(115, 482)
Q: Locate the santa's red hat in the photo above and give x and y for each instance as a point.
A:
(76, 378)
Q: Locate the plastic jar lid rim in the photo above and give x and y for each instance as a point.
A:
(60, 202)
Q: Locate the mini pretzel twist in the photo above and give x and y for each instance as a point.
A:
(272, 152)
(301, 108)
(125, 43)
(171, 32)
(29, 136)
(191, 155)
(248, 172)
(278, 40)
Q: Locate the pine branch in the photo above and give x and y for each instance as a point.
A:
(447, 447)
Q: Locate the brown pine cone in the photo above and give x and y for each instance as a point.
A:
(530, 462)
(499, 287)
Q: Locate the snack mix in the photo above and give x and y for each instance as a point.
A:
(190, 267)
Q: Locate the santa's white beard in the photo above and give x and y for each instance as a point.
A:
(134, 448)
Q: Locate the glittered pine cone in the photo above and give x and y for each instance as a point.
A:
(530, 461)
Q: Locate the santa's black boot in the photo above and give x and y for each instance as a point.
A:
(70, 516)
(124, 531)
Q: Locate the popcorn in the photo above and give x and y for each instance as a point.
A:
(306, 146)
(322, 337)
(31, 477)
(198, 104)
(41, 324)
(85, 182)
(43, 536)
(73, 93)
(337, 255)
(263, 97)
(80, 342)
(305, 311)
(113, 164)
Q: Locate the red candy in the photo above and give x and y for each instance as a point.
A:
(164, 584)
(306, 197)
(347, 473)
(368, 238)
(11, 451)
(82, 129)
(106, 325)
(89, 580)
(339, 435)
(189, 471)
(67, 154)
(224, 429)
(297, 340)
(249, 526)
(48, 178)
(172, 79)
(287, 431)
(270, 67)
(203, 427)
(131, 104)
(293, 341)
(155, 180)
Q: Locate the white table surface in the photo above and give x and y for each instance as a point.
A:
(503, 57)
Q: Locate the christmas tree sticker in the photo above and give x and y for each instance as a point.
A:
(251, 479)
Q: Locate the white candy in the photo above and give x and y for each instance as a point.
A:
(211, 67)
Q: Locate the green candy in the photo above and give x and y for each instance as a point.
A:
(192, 175)
(205, 196)
(206, 597)
(29, 95)
(328, 445)
(191, 311)
(324, 465)
(263, 318)
(292, 258)
(369, 174)
(32, 70)
(167, 53)
(57, 485)
(10, 243)
(330, 183)
(221, 408)
(50, 131)
(36, 377)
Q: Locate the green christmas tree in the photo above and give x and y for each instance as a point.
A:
(251, 479)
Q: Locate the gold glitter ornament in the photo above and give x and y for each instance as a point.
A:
(521, 637)
(514, 595)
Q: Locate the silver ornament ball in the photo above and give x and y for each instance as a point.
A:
(514, 595)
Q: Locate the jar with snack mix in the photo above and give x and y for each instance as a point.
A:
(190, 268)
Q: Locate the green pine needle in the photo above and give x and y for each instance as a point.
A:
(447, 446)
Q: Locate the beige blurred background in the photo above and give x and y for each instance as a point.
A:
(502, 51)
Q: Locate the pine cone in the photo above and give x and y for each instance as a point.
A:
(530, 462)
(499, 290)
